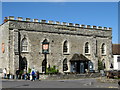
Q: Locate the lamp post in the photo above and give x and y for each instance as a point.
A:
(45, 51)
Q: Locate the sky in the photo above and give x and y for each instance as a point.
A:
(103, 14)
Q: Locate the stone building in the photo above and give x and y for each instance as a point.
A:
(72, 47)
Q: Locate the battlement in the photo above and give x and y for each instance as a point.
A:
(57, 23)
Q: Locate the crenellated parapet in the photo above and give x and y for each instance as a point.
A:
(57, 23)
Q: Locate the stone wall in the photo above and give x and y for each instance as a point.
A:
(4, 43)
(36, 32)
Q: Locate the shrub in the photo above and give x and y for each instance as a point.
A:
(100, 65)
(29, 70)
(52, 70)
(21, 72)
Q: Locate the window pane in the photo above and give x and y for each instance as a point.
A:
(118, 58)
(65, 47)
(65, 67)
(87, 48)
(103, 49)
(24, 44)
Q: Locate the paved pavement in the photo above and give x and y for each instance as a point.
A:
(81, 83)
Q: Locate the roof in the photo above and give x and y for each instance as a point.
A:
(77, 57)
(116, 49)
(21, 19)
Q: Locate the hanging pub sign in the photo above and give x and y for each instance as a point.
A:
(45, 47)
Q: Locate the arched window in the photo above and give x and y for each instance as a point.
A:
(103, 49)
(24, 45)
(103, 64)
(65, 67)
(65, 47)
(87, 47)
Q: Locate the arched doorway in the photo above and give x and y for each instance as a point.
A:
(103, 64)
(23, 63)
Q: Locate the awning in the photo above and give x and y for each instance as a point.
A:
(77, 57)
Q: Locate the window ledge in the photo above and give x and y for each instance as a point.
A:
(87, 54)
(24, 52)
(66, 53)
(103, 54)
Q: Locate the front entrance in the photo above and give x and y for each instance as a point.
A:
(79, 63)
(23, 63)
(82, 68)
(78, 67)
(73, 67)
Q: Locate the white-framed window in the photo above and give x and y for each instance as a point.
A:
(65, 47)
(87, 48)
(24, 45)
(103, 49)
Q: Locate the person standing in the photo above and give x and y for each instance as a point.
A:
(25, 74)
(5, 73)
(33, 73)
(17, 73)
(37, 74)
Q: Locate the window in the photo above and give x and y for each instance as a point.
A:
(103, 64)
(118, 59)
(87, 48)
(24, 45)
(65, 47)
(65, 67)
(103, 49)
